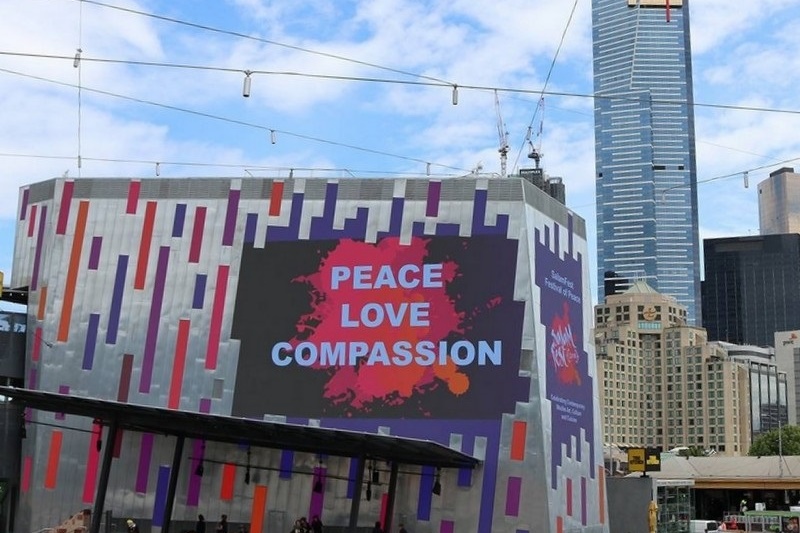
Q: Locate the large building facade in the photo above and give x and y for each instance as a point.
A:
(456, 311)
(647, 225)
(751, 287)
(779, 202)
(662, 384)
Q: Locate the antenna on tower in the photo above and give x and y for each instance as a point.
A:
(503, 136)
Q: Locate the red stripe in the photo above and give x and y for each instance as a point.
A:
(32, 220)
(133, 197)
(72, 272)
(179, 364)
(93, 459)
(275, 198)
(27, 469)
(144, 245)
(228, 479)
(518, 432)
(215, 329)
(52, 460)
(66, 202)
(197, 234)
(569, 497)
(42, 303)
(259, 507)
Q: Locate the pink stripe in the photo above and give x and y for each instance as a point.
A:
(178, 365)
(215, 331)
(27, 468)
(145, 455)
(92, 460)
(133, 197)
(318, 498)
(32, 220)
(197, 234)
(63, 212)
(37, 344)
(513, 490)
(447, 526)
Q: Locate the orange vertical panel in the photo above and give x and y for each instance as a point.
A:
(559, 524)
(228, 479)
(72, 272)
(259, 508)
(42, 303)
(518, 431)
(52, 460)
(275, 198)
(601, 478)
(144, 245)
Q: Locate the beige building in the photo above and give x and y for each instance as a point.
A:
(663, 384)
(779, 202)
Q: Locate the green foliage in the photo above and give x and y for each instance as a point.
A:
(768, 443)
(692, 451)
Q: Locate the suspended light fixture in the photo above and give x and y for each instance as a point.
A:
(200, 468)
(77, 61)
(247, 472)
(427, 169)
(318, 487)
(247, 82)
(376, 476)
(455, 94)
(437, 483)
(273, 137)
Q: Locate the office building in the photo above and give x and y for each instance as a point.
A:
(787, 357)
(751, 287)
(646, 183)
(662, 384)
(453, 311)
(779, 202)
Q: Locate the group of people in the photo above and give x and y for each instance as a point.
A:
(301, 525)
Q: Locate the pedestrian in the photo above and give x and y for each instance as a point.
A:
(222, 525)
(402, 528)
(200, 526)
(132, 527)
(316, 524)
(377, 528)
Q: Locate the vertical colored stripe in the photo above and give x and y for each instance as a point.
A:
(23, 208)
(351, 478)
(384, 508)
(447, 526)
(91, 341)
(197, 234)
(601, 489)
(144, 245)
(513, 491)
(27, 469)
(117, 293)
(464, 477)
(162, 488)
(63, 210)
(178, 364)
(32, 220)
(124, 387)
(205, 405)
(133, 197)
(217, 311)
(62, 389)
(230, 217)
(518, 432)
(666, 8)
(37, 255)
(51, 475)
(275, 198)
(569, 496)
(178, 220)
(42, 303)
(434, 191)
(193, 492)
(199, 291)
(92, 461)
(317, 498)
(259, 509)
(94, 252)
(250, 228)
(33, 379)
(584, 510)
(228, 480)
(559, 524)
(37, 344)
(145, 456)
(425, 496)
(154, 321)
(72, 272)
(287, 464)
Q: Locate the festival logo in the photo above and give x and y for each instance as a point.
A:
(564, 354)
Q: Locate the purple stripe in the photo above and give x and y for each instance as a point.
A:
(230, 217)
(161, 495)
(351, 478)
(287, 463)
(94, 252)
(116, 300)
(205, 405)
(62, 389)
(38, 254)
(91, 341)
(250, 230)
(584, 511)
(447, 526)
(199, 291)
(33, 377)
(193, 493)
(154, 321)
(513, 490)
(23, 210)
(145, 456)
(434, 191)
(177, 222)
(317, 498)
(425, 497)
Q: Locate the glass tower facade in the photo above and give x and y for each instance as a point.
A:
(645, 149)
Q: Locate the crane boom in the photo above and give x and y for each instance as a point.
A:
(502, 135)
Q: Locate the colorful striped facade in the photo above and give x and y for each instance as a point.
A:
(164, 292)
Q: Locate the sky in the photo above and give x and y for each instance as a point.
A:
(365, 88)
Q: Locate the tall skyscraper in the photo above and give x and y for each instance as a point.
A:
(779, 202)
(644, 149)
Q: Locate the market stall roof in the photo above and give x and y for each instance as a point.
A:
(256, 433)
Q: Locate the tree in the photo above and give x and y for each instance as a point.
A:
(692, 451)
(768, 443)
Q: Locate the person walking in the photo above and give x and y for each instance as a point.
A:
(200, 526)
(222, 525)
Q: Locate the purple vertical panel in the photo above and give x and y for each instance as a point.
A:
(62, 389)
(351, 478)
(37, 257)
(584, 511)
(23, 208)
(154, 320)
(91, 341)
(116, 300)
(425, 497)
(205, 405)
(161, 495)
(198, 451)
(63, 212)
(434, 192)
(199, 291)
(447, 526)
(287, 464)
(464, 477)
(230, 217)
(33, 379)
(250, 228)
(178, 220)
(513, 491)
(94, 252)
(317, 498)
(145, 455)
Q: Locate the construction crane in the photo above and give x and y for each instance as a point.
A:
(503, 136)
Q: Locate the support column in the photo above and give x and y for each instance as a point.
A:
(173, 483)
(102, 484)
(356, 504)
(387, 526)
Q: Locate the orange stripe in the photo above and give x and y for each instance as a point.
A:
(559, 524)
(52, 460)
(72, 272)
(228, 479)
(259, 508)
(144, 245)
(42, 303)
(275, 198)
(601, 477)
(518, 432)
(178, 364)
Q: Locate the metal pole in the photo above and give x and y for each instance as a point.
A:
(356, 504)
(173, 483)
(102, 484)
(387, 526)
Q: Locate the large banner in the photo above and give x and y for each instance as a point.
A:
(346, 328)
